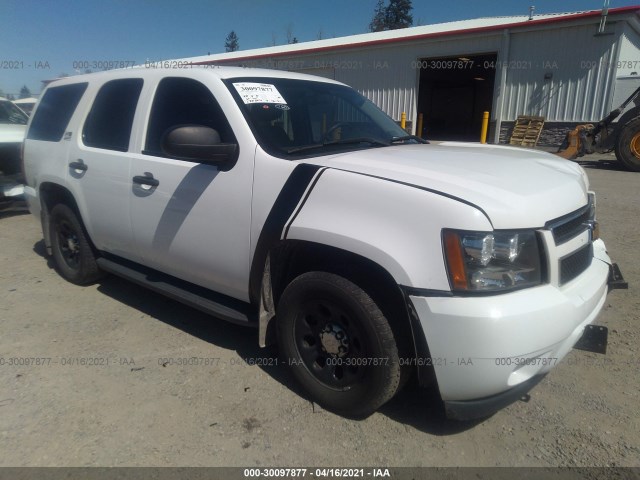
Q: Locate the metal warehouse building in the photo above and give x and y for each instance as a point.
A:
(566, 67)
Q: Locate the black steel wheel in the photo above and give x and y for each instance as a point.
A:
(338, 344)
(73, 255)
(628, 145)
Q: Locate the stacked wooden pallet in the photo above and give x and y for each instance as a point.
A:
(526, 131)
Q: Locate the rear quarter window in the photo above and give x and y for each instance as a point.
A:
(54, 112)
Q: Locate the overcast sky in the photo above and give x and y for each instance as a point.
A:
(42, 39)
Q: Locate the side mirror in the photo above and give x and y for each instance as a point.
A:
(198, 143)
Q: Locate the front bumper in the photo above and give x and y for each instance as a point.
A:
(487, 351)
(484, 407)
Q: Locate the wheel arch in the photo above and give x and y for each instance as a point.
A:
(290, 258)
(51, 194)
(628, 116)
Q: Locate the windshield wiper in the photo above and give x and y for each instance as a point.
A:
(407, 137)
(371, 140)
(345, 141)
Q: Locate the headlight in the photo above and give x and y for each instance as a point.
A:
(492, 261)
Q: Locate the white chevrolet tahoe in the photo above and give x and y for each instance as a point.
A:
(293, 204)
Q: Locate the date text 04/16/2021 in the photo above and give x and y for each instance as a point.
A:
(316, 472)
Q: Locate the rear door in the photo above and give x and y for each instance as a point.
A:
(192, 220)
(99, 166)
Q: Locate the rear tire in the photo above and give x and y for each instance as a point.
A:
(628, 145)
(73, 255)
(338, 344)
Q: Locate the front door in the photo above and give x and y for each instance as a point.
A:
(192, 220)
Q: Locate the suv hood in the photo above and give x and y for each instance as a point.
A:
(516, 188)
(12, 133)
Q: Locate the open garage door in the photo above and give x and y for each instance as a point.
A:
(453, 93)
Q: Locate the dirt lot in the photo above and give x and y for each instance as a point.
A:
(108, 389)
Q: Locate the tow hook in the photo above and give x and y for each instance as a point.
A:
(615, 278)
(594, 339)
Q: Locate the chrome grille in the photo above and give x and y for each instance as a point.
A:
(574, 264)
(567, 227)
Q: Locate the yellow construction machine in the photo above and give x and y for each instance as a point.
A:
(605, 136)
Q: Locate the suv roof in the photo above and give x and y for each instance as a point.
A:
(183, 69)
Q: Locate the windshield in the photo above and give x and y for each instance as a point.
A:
(294, 118)
(9, 113)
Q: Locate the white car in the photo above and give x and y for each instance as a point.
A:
(293, 204)
(13, 124)
(26, 104)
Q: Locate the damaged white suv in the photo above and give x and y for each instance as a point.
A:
(293, 204)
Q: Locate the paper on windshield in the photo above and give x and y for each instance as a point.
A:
(251, 92)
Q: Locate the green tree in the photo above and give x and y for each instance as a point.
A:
(391, 17)
(378, 21)
(398, 14)
(231, 42)
(25, 92)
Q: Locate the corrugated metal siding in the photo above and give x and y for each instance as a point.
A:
(581, 66)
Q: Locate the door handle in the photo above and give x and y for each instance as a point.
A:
(79, 165)
(145, 181)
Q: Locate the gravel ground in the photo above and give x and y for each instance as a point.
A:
(108, 390)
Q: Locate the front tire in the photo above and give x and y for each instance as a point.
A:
(338, 344)
(628, 145)
(73, 255)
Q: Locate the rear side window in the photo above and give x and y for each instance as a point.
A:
(109, 122)
(54, 112)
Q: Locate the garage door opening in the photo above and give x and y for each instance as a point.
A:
(453, 93)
